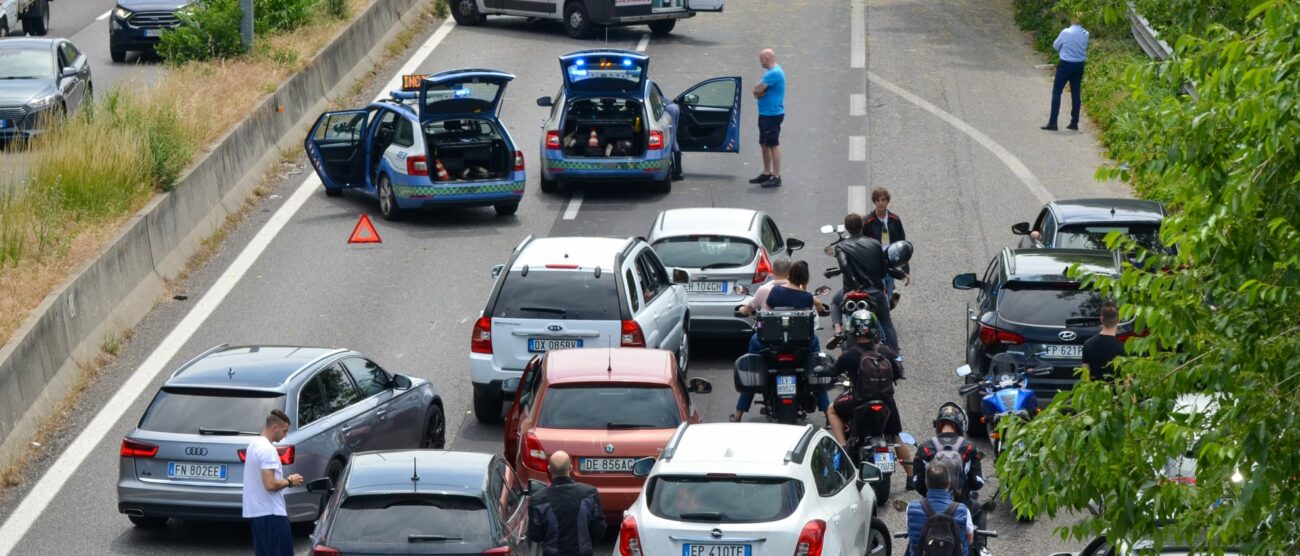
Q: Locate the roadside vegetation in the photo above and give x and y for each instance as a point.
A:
(1221, 318)
(92, 171)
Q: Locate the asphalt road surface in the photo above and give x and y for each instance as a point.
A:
(941, 103)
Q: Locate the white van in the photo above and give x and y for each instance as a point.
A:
(582, 17)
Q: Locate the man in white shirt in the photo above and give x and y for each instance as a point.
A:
(264, 486)
(1072, 44)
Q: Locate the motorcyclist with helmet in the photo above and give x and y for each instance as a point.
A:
(862, 326)
(864, 265)
(951, 446)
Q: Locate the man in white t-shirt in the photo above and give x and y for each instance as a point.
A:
(264, 486)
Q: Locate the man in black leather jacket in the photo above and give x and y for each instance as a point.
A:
(863, 266)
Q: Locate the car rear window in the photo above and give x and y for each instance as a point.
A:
(401, 519)
(705, 252)
(1049, 305)
(609, 407)
(210, 411)
(723, 499)
(558, 294)
(1094, 236)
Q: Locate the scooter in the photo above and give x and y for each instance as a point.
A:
(785, 373)
(979, 533)
(1006, 394)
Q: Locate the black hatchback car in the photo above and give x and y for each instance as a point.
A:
(1084, 223)
(1026, 303)
(423, 502)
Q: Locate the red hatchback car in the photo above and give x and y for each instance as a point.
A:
(607, 408)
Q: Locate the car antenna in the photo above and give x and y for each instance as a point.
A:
(1112, 211)
(609, 355)
(415, 473)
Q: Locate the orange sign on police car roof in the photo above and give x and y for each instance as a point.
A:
(412, 82)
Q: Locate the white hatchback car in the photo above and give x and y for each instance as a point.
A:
(573, 292)
(754, 489)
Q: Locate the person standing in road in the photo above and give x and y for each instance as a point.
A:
(1072, 43)
(264, 486)
(886, 227)
(675, 114)
(770, 93)
(565, 518)
(1100, 351)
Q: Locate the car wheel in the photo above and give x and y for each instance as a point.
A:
(388, 200)
(878, 540)
(684, 353)
(37, 22)
(147, 522)
(486, 410)
(466, 13)
(576, 22)
(117, 54)
(662, 27)
(435, 430)
(665, 185)
(550, 186)
(4, 28)
(506, 209)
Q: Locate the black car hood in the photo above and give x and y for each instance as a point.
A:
(16, 92)
(153, 5)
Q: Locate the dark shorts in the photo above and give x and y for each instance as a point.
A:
(769, 130)
(846, 404)
(272, 536)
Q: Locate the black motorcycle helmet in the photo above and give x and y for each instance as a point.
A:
(899, 253)
(951, 413)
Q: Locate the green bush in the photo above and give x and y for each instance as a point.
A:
(281, 15)
(338, 9)
(210, 30)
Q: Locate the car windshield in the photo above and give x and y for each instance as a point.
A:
(1047, 304)
(1094, 236)
(558, 294)
(401, 519)
(26, 63)
(723, 499)
(705, 251)
(210, 411)
(609, 407)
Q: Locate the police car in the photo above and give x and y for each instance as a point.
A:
(437, 142)
(608, 121)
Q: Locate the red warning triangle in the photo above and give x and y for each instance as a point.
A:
(364, 232)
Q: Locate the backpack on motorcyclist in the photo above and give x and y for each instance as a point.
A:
(940, 536)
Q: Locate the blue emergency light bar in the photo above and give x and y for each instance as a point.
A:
(404, 95)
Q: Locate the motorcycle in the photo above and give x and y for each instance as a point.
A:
(979, 534)
(786, 373)
(1005, 392)
(858, 299)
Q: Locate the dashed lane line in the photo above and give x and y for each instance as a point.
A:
(857, 105)
(575, 203)
(858, 148)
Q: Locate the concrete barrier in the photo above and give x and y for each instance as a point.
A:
(113, 292)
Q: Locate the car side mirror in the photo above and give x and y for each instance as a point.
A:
(545, 102)
(681, 276)
(69, 72)
(497, 270)
(870, 474)
(691, 99)
(1020, 228)
(964, 371)
(401, 382)
(510, 386)
(643, 466)
(966, 281)
(792, 244)
(700, 386)
(535, 486)
(828, 229)
(321, 485)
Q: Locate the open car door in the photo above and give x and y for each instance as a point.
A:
(603, 72)
(463, 92)
(710, 117)
(705, 5)
(336, 147)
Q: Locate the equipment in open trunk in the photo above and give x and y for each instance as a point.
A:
(467, 150)
(604, 127)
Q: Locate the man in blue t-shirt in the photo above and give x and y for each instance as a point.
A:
(770, 93)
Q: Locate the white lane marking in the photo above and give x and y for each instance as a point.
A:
(49, 485)
(643, 43)
(858, 199)
(858, 42)
(1010, 160)
(104, 16)
(575, 203)
(857, 105)
(857, 148)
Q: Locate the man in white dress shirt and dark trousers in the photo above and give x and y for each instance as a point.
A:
(1072, 43)
(264, 484)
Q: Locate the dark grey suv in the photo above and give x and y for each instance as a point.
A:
(185, 459)
(139, 25)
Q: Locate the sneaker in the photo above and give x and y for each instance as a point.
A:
(762, 178)
(893, 301)
(774, 181)
(1072, 127)
(678, 177)
(1049, 127)
(732, 418)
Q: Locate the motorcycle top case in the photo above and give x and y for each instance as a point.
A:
(785, 327)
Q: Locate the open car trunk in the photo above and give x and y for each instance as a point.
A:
(469, 150)
(604, 128)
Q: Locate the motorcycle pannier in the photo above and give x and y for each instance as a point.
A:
(751, 373)
(785, 327)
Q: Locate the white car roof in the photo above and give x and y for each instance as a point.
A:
(586, 252)
(744, 448)
(729, 221)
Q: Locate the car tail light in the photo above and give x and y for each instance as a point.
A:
(534, 456)
(327, 551)
(882, 449)
(497, 551)
(559, 266)
(990, 336)
(764, 267)
(287, 455)
(519, 167)
(810, 539)
(137, 449)
(417, 166)
(656, 140)
(785, 357)
(876, 406)
(553, 140)
(481, 339)
(1183, 480)
(629, 539)
(1129, 335)
(631, 335)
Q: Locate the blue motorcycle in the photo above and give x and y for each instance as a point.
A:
(1006, 392)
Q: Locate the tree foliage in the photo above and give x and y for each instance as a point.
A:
(1222, 315)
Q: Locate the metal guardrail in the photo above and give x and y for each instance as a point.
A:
(1149, 40)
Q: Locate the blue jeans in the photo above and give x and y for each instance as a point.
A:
(746, 399)
(271, 535)
(1072, 73)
